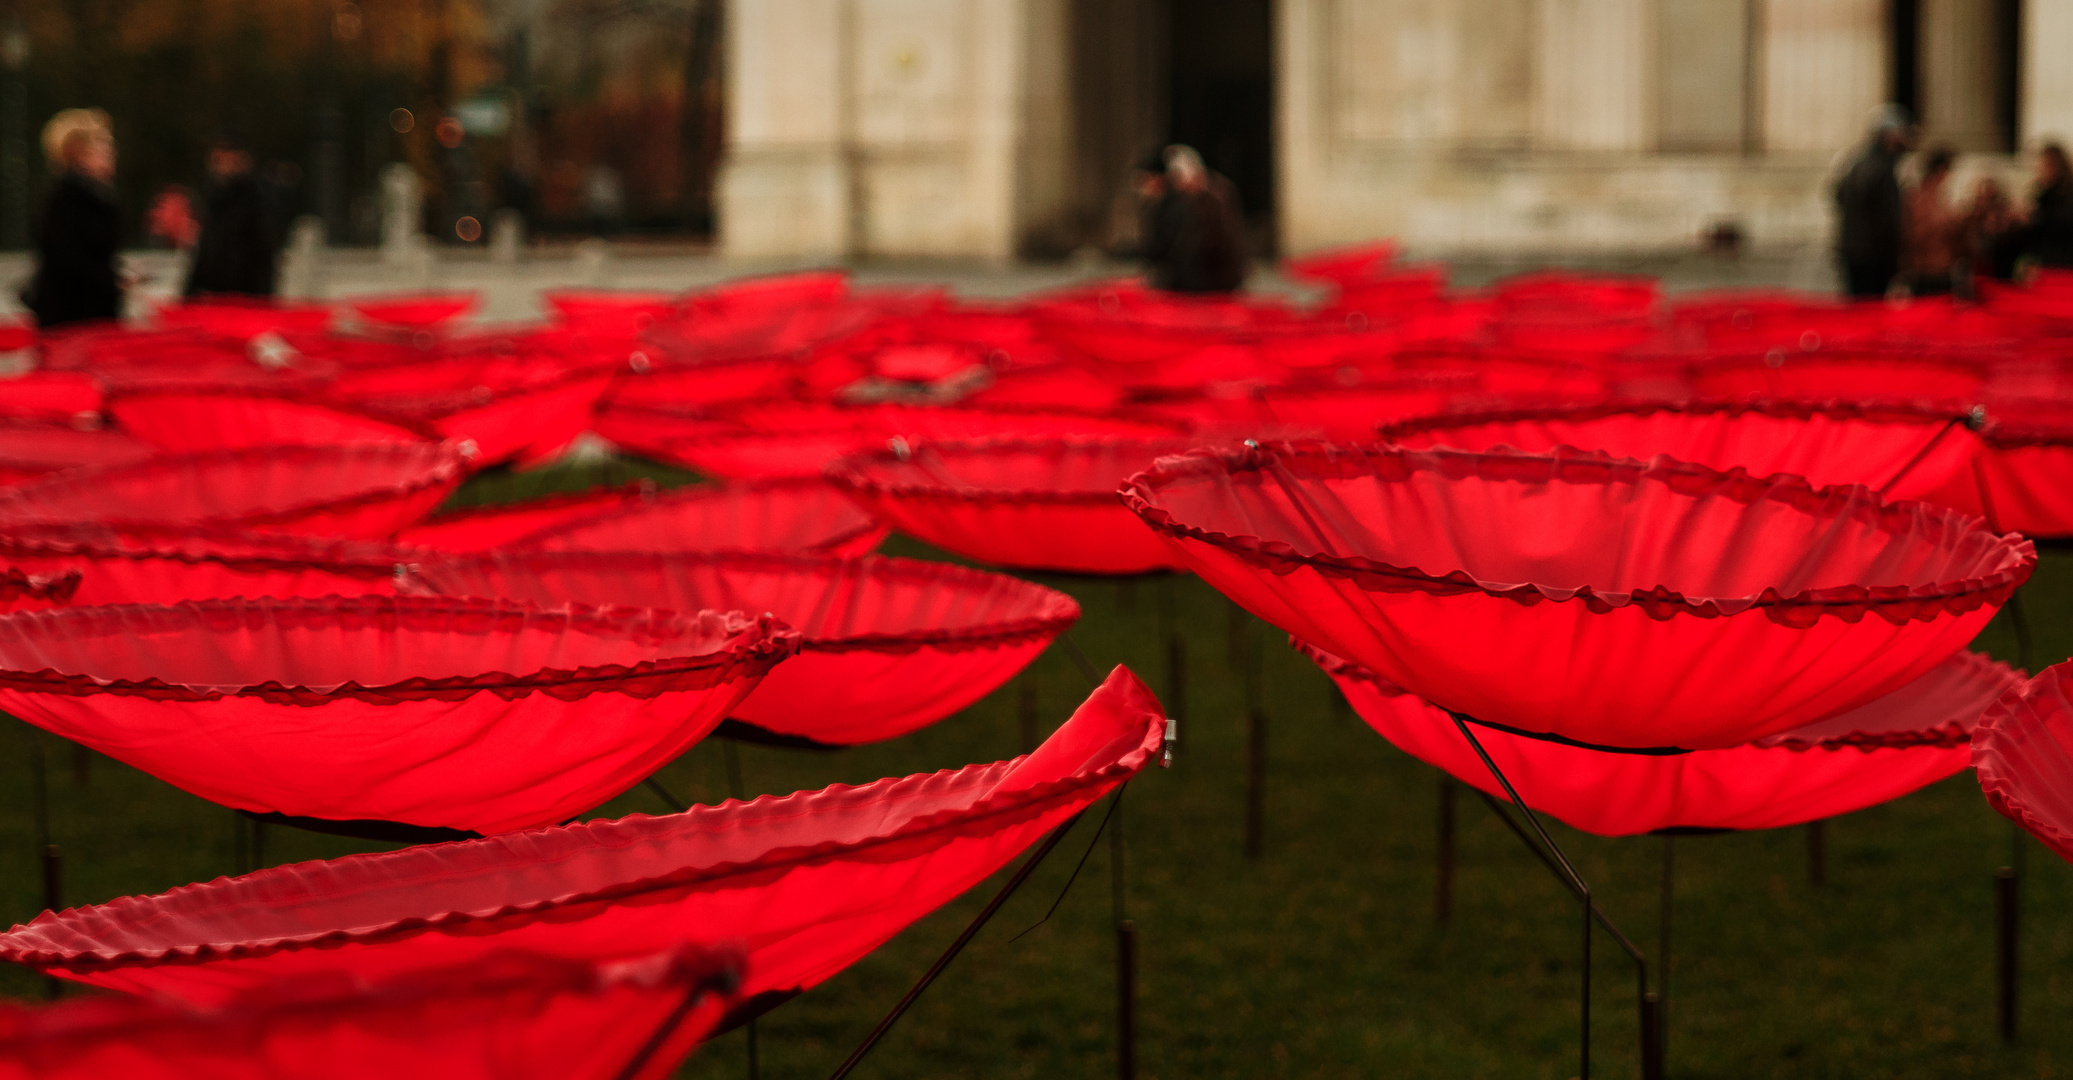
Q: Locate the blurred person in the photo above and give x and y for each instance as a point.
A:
(234, 252)
(2050, 233)
(76, 278)
(1930, 253)
(1194, 237)
(1867, 197)
(1990, 235)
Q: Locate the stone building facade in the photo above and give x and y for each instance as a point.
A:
(997, 128)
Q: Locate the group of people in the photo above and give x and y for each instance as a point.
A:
(1917, 240)
(79, 277)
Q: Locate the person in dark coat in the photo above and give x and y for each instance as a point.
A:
(1867, 198)
(2050, 235)
(1194, 238)
(235, 251)
(76, 279)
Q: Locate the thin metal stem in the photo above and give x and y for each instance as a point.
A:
(676, 805)
(1920, 454)
(1021, 874)
(1079, 660)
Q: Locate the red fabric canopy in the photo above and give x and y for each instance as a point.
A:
(2023, 752)
(793, 517)
(1031, 504)
(1604, 600)
(1916, 449)
(63, 396)
(414, 311)
(1342, 265)
(495, 525)
(189, 421)
(1841, 375)
(436, 712)
(365, 491)
(889, 645)
(508, 1016)
(245, 318)
(529, 406)
(164, 566)
(30, 449)
(1881, 750)
(2025, 465)
(811, 881)
(674, 385)
(609, 310)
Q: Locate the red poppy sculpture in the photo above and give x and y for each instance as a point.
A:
(2023, 753)
(440, 713)
(1878, 751)
(29, 449)
(509, 1016)
(1030, 504)
(165, 566)
(887, 645)
(811, 881)
(793, 517)
(1607, 601)
(192, 421)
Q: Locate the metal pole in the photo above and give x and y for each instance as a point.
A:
(1662, 993)
(957, 946)
(1443, 876)
(53, 900)
(1584, 1010)
(1256, 783)
(1817, 852)
(1126, 1000)
(2007, 927)
(1176, 654)
(1026, 703)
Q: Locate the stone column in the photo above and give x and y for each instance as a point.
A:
(2047, 89)
(1824, 71)
(785, 185)
(1596, 86)
(1960, 75)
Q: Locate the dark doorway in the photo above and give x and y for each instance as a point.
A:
(1904, 34)
(1221, 98)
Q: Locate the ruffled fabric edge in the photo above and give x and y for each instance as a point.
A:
(665, 501)
(1058, 611)
(1778, 408)
(245, 552)
(751, 647)
(851, 473)
(623, 832)
(1897, 604)
(18, 584)
(308, 398)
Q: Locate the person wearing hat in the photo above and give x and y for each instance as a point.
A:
(76, 278)
(234, 253)
(1867, 199)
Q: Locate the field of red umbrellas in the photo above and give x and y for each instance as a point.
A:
(1555, 678)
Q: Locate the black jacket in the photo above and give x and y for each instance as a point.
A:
(75, 243)
(1195, 241)
(2051, 226)
(1868, 200)
(235, 253)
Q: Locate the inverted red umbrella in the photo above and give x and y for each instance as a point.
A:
(528, 405)
(508, 1016)
(414, 311)
(57, 396)
(369, 490)
(887, 645)
(164, 566)
(1342, 265)
(186, 421)
(2021, 752)
(1876, 752)
(2019, 480)
(793, 517)
(245, 318)
(441, 713)
(495, 525)
(1031, 504)
(660, 383)
(1902, 451)
(1861, 373)
(609, 310)
(1607, 601)
(811, 881)
(29, 449)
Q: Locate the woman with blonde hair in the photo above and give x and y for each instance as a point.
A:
(76, 278)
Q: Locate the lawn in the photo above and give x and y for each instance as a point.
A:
(1321, 958)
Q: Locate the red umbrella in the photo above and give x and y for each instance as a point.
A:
(165, 566)
(433, 712)
(888, 645)
(1603, 600)
(1342, 265)
(2024, 466)
(508, 1016)
(245, 318)
(1846, 374)
(29, 449)
(1031, 504)
(793, 517)
(495, 525)
(1881, 750)
(670, 385)
(58, 396)
(188, 421)
(366, 491)
(609, 310)
(1903, 451)
(2021, 752)
(528, 405)
(414, 311)
(811, 881)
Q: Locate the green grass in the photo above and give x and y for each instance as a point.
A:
(1322, 959)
